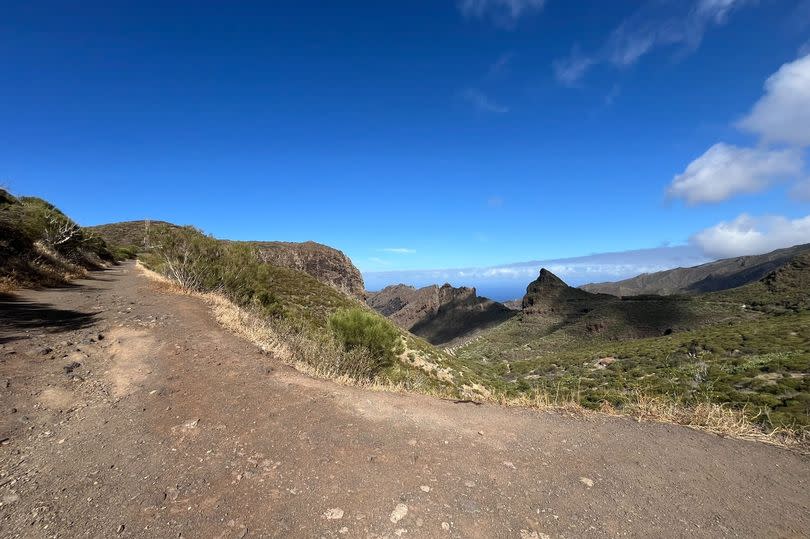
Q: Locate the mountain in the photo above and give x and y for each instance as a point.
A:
(711, 277)
(328, 265)
(745, 346)
(550, 294)
(440, 315)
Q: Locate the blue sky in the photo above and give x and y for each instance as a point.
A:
(421, 135)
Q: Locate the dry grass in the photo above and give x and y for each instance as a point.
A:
(315, 360)
(718, 419)
(315, 357)
(711, 417)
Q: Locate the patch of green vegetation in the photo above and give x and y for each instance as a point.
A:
(358, 328)
(716, 350)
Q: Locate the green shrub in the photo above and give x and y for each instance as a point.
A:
(356, 328)
(125, 252)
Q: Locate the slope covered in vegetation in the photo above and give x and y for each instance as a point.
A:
(317, 325)
(747, 348)
(41, 246)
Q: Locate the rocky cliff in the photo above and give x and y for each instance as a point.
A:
(439, 314)
(326, 264)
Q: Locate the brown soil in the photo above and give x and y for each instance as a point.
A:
(171, 427)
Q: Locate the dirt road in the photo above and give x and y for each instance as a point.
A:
(128, 412)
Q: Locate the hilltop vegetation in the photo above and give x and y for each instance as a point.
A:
(325, 263)
(41, 246)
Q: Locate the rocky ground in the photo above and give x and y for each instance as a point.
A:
(128, 412)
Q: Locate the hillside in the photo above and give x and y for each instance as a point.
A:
(325, 263)
(440, 315)
(713, 276)
(41, 246)
(748, 347)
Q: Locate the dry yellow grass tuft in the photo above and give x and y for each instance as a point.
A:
(710, 417)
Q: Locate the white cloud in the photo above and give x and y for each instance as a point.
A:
(398, 250)
(504, 13)
(801, 190)
(569, 71)
(501, 65)
(726, 170)
(748, 235)
(653, 25)
(783, 113)
(483, 103)
(379, 261)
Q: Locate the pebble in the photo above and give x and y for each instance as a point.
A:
(528, 534)
(586, 481)
(336, 513)
(424, 488)
(398, 513)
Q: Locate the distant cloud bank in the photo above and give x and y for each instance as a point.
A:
(509, 281)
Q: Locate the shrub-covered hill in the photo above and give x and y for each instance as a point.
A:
(320, 326)
(747, 347)
(41, 246)
(325, 263)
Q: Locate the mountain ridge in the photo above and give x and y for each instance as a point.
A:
(439, 314)
(714, 276)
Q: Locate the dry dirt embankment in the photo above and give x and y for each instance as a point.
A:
(126, 411)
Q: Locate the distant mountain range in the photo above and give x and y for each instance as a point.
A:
(714, 276)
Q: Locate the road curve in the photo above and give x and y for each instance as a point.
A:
(128, 412)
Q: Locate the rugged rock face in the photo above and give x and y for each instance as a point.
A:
(439, 314)
(548, 294)
(326, 264)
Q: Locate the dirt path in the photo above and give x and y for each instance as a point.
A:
(129, 412)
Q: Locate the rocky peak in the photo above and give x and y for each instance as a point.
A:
(546, 279)
(550, 294)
